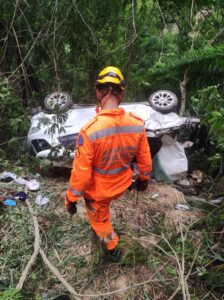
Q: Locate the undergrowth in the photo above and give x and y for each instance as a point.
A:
(149, 268)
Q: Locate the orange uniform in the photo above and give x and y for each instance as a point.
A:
(102, 171)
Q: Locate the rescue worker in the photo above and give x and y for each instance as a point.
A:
(105, 148)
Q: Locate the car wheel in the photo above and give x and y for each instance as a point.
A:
(163, 101)
(60, 100)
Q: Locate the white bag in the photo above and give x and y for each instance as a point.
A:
(170, 163)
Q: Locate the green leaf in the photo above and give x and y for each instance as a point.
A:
(171, 270)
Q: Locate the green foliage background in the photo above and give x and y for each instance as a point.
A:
(62, 45)
(158, 44)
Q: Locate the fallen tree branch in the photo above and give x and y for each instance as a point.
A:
(58, 275)
(36, 247)
(36, 252)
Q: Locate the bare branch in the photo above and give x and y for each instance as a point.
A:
(36, 247)
(27, 55)
(58, 275)
(217, 36)
(192, 7)
(183, 89)
(93, 34)
(133, 16)
(161, 14)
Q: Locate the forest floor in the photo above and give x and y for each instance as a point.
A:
(165, 256)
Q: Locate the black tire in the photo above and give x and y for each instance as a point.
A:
(163, 101)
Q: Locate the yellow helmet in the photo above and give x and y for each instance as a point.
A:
(111, 75)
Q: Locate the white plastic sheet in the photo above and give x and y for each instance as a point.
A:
(170, 163)
(41, 200)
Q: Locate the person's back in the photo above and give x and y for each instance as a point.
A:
(105, 149)
(117, 137)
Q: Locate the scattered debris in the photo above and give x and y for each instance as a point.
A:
(154, 196)
(218, 200)
(165, 195)
(20, 196)
(183, 182)
(41, 200)
(198, 202)
(182, 207)
(8, 177)
(9, 202)
(143, 217)
(197, 175)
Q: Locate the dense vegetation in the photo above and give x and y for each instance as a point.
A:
(62, 45)
(158, 44)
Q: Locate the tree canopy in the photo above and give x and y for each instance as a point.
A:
(62, 45)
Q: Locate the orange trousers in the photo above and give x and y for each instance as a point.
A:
(99, 217)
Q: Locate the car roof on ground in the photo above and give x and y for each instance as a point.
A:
(123, 103)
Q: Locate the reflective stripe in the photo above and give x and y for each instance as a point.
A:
(112, 171)
(75, 192)
(115, 130)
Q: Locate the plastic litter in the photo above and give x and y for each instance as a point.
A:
(154, 196)
(9, 202)
(41, 200)
(170, 163)
(32, 185)
(182, 207)
(7, 180)
(7, 177)
(20, 196)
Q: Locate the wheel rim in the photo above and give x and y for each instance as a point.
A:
(57, 100)
(163, 99)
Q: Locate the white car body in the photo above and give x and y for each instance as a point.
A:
(41, 142)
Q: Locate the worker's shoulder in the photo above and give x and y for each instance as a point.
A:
(89, 124)
(135, 116)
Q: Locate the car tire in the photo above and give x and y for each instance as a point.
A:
(163, 101)
(58, 100)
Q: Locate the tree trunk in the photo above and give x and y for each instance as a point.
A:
(183, 90)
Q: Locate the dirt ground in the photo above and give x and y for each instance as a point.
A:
(140, 219)
(137, 217)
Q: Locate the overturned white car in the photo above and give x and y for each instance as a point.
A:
(53, 135)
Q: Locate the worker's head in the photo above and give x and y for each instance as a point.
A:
(110, 81)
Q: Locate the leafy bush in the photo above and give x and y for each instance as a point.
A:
(10, 294)
(209, 105)
(14, 121)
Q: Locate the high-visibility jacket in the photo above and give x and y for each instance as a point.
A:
(105, 148)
